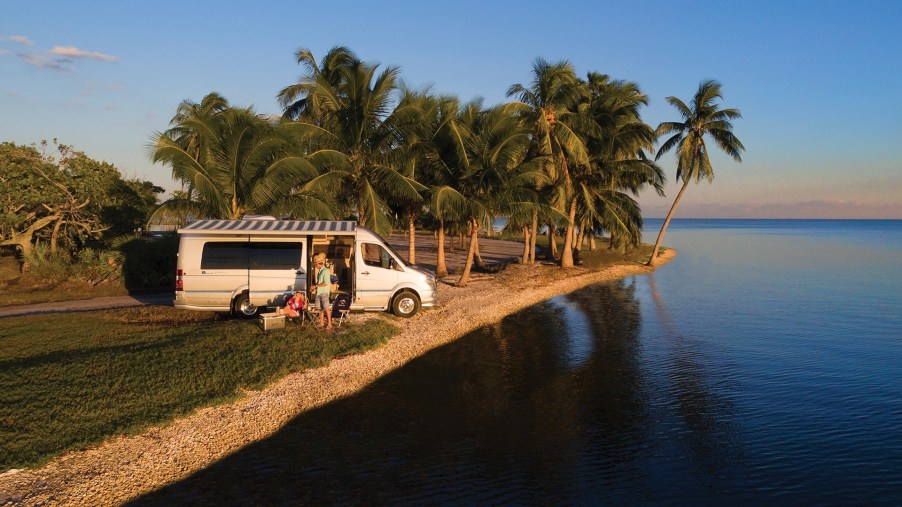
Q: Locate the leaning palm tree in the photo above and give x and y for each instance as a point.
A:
(702, 117)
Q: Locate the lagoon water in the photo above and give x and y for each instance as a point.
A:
(763, 366)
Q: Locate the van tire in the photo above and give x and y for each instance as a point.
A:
(405, 304)
(243, 308)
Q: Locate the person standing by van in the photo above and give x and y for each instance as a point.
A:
(322, 290)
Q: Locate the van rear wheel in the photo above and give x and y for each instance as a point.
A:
(405, 304)
(243, 307)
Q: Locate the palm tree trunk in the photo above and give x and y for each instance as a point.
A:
(552, 244)
(535, 234)
(440, 268)
(361, 216)
(592, 242)
(567, 253)
(465, 276)
(412, 241)
(654, 253)
(526, 245)
(581, 237)
(477, 257)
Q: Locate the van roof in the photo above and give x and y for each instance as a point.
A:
(270, 227)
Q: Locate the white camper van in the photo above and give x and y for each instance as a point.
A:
(245, 266)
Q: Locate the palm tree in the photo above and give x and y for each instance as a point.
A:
(702, 117)
(501, 176)
(546, 102)
(616, 138)
(239, 162)
(448, 165)
(346, 107)
(429, 140)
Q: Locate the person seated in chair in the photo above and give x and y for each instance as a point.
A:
(294, 306)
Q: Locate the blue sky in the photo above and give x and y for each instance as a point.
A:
(818, 83)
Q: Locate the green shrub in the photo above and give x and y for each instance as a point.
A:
(148, 263)
(46, 268)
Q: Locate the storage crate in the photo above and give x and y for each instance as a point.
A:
(272, 321)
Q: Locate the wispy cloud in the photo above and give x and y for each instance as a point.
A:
(44, 61)
(74, 52)
(58, 58)
(20, 39)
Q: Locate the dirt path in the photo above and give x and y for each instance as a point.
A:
(84, 305)
(493, 251)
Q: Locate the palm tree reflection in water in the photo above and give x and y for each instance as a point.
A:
(508, 414)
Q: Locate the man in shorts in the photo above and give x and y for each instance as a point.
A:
(322, 290)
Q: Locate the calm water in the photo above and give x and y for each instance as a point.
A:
(762, 367)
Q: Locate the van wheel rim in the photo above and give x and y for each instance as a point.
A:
(406, 305)
(247, 308)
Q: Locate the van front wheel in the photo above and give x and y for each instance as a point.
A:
(405, 304)
(243, 307)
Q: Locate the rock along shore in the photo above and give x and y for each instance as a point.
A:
(123, 468)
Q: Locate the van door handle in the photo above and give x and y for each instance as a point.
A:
(299, 272)
(365, 273)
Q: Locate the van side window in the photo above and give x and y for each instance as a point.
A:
(230, 255)
(244, 255)
(275, 255)
(375, 255)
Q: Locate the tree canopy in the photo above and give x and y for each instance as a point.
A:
(67, 198)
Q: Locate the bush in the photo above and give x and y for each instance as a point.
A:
(46, 268)
(97, 267)
(148, 263)
(139, 264)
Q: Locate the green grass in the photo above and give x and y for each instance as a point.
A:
(68, 382)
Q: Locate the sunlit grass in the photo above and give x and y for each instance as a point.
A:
(70, 381)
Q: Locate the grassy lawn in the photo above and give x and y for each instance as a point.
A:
(67, 382)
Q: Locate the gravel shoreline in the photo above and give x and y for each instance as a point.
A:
(123, 468)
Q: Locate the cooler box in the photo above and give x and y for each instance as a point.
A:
(272, 321)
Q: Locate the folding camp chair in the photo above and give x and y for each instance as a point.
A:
(340, 308)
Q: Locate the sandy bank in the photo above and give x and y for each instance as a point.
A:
(125, 467)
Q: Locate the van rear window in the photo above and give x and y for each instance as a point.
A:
(244, 255)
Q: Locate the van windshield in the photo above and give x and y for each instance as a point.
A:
(395, 254)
